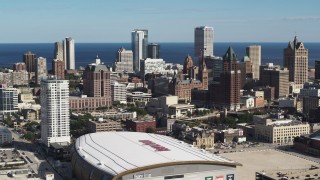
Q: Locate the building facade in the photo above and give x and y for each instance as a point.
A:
(119, 92)
(58, 68)
(59, 51)
(69, 53)
(317, 69)
(203, 41)
(254, 53)
(124, 61)
(41, 69)
(276, 77)
(139, 43)
(55, 120)
(30, 60)
(153, 51)
(103, 125)
(8, 99)
(296, 60)
(5, 136)
(19, 67)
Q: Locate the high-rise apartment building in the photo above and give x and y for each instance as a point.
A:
(69, 53)
(119, 92)
(296, 60)
(8, 99)
(30, 60)
(203, 41)
(124, 61)
(55, 119)
(153, 51)
(254, 53)
(139, 43)
(19, 67)
(96, 81)
(276, 77)
(41, 69)
(58, 51)
(58, 68)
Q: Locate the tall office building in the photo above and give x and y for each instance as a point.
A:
(153, 51)
(317, 70)
(58, 51)
(124, 60)
(277, 77)
(8, 99)
(296, 60)
(58, 68)
(55, 119)
(69, 53)
(254, 53)
(203, 41)
(30, 60)
(96, 81)
(139, 43)
(226, 93)
(41, 69)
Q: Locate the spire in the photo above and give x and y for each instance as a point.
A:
(230, 55)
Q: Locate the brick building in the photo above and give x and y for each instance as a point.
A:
(141, 124)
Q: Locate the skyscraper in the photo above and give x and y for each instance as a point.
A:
(226, 93)
(58, 51)
(296, 60)
(203, 40)
(41, 69)
(30, 60)
(154, 51)
(254, 53)
(55, 120)
(69, 53)
(139, 43)
(96, 81)
(58, 68)
(124, 60)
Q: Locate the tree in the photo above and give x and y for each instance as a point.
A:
(188, 113)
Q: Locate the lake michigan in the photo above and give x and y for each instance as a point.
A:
(170, 52)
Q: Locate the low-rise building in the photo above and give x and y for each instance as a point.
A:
(138, 96)
(200, 138)
(115, 115)
(180, 110)
(141, 124)
(247, 101)
(5, 136)
(30, 114)
(309, 144)
(275, 128)
(84, 103)
(161, 104)
(102, 125)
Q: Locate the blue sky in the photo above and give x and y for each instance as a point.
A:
(167, 20)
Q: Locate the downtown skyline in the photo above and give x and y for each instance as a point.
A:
(166, 21)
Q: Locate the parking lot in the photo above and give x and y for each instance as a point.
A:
(265, 160)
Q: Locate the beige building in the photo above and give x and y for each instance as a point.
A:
(278, 130)
(180, 110)
(200, 138)
(296, 60)
(254, 53)
(26, 98)
(102, 125)
(161, 104)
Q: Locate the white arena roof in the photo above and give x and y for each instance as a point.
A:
(118, 152)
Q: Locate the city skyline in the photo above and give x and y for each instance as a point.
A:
(105, 21)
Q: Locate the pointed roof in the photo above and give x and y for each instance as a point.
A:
(230, 55)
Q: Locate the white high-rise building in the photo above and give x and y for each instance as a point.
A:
(55, 118)
(119, 92)
(139, 40)
(69, 53)
(254, 53)
(203, 41)
(8, 99)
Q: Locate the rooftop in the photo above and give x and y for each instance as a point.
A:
(117, 152)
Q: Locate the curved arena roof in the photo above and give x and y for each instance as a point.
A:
(121, 152)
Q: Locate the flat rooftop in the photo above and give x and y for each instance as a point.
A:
(117, 152)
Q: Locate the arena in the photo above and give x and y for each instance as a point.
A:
(132, 155)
